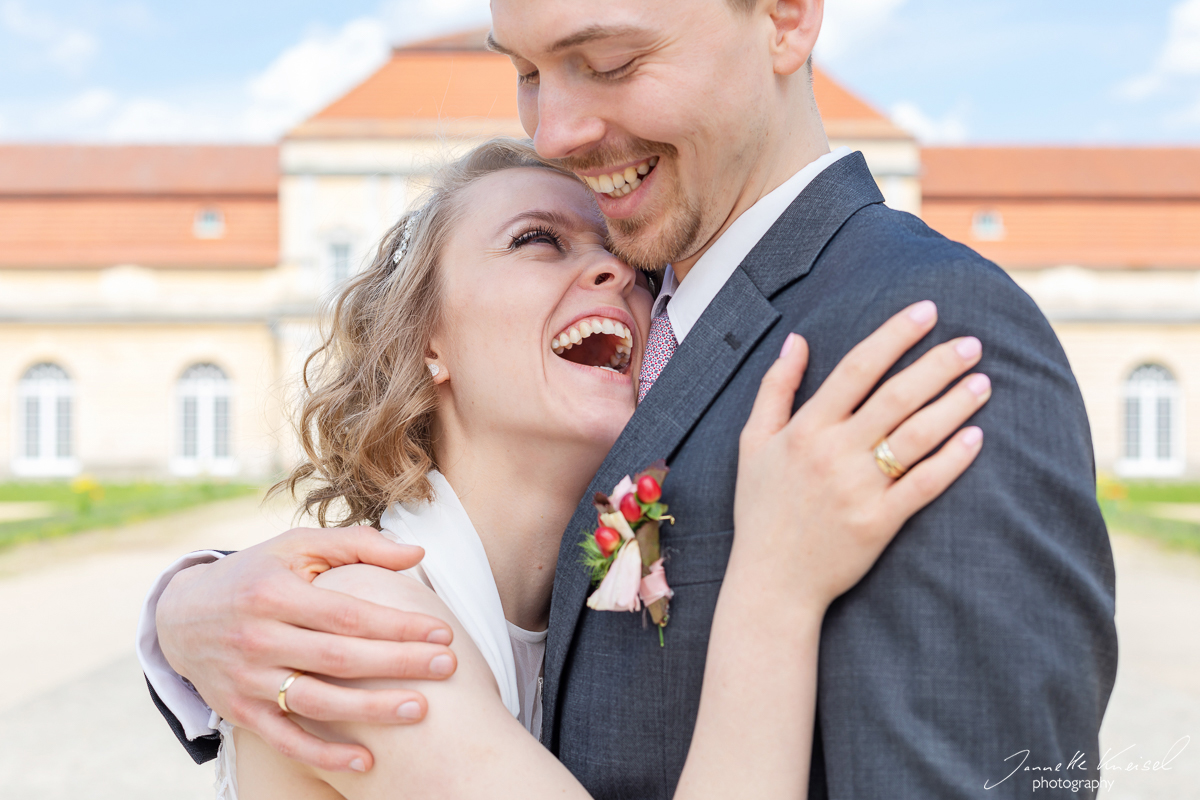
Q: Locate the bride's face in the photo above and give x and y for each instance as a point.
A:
(526, 274)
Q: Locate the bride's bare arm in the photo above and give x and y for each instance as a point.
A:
(812, 513)
(468, 745)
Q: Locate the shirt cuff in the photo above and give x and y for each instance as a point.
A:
(177, 694)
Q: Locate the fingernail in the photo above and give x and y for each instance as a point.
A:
(358, 766)
(972, 436)
(787, 345)
(441, 665)
(409, 710)
(922, 312)
(979, 384)
(440, 636)
(968, 347)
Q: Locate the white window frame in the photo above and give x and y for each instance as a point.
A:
(1152, 396)
(209, 223)
(54, 448)
(200, 449)
(339, 273)
(987, 225)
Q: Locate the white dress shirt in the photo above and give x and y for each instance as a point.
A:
(690, 297)
(688, 300)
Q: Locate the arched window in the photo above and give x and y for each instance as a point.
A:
(203, 398)
(45, 415)
(1153, 424)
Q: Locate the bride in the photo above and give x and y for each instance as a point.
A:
(473, 380)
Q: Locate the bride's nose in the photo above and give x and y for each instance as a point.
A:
(610, 272)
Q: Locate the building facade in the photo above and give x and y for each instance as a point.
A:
(156, 303)
(140, 305)
(1107, 241)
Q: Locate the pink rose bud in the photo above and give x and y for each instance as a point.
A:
(620, 490)
(654, 585)
(619, 589)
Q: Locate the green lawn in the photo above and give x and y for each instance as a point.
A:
(66, 507)
(1147, 508)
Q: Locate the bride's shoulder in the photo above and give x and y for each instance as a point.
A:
(386, 588)
(406, 593)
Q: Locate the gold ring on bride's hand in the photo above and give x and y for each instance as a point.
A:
(886, 460)
(283, 687)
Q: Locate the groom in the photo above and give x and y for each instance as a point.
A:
(982, 640)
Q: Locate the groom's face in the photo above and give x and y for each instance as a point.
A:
(661, 107)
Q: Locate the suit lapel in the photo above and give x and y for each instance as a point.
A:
(795, 241)
(732, 325)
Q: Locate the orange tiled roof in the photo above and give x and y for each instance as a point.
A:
(992, 172)
(432, 84)
(151, 232)
(138, 169)
(71, 206)
(453, 84)
(1091, 207)
(1103, 234)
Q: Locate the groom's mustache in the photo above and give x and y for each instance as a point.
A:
(608, 155)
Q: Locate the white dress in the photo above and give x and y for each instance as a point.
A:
(456, 568)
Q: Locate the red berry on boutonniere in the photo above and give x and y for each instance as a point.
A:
(648, 490)
(630, 508)
(607, 540)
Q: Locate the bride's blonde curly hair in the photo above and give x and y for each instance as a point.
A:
(366, 418)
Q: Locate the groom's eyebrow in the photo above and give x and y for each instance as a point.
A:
(592, 33)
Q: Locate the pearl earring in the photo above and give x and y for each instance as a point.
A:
(434, 369)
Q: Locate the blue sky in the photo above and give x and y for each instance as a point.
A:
(988, 71)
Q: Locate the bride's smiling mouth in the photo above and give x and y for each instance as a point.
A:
(596, 341)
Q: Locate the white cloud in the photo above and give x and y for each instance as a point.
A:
(88, 106)
(851, 23)
(1179, 57)
(66, 47)
(950, 128)
(411, 20)
(295, 84)
(312, 73)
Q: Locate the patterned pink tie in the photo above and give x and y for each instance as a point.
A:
(660, 346)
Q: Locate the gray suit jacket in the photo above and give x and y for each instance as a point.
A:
(985, 629)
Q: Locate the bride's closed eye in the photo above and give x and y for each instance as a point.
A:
(538, 235)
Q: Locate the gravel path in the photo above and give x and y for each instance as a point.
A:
(76, 722)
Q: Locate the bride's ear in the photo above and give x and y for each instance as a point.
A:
(436, 368)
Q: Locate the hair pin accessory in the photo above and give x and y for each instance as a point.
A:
(406, 236)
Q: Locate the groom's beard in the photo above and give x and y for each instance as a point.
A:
(634, 239)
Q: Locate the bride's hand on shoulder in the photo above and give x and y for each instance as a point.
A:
(814, 509)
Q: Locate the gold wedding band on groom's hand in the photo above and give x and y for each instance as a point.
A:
(886, 461)
(283, 687)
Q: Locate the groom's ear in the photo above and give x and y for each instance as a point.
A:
(796, 25)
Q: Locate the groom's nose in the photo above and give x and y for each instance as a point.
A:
(567, 123)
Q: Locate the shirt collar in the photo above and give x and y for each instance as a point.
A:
(689, 298)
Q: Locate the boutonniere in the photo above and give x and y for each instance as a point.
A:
(623, 553)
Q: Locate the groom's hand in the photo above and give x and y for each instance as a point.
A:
(236, 628)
